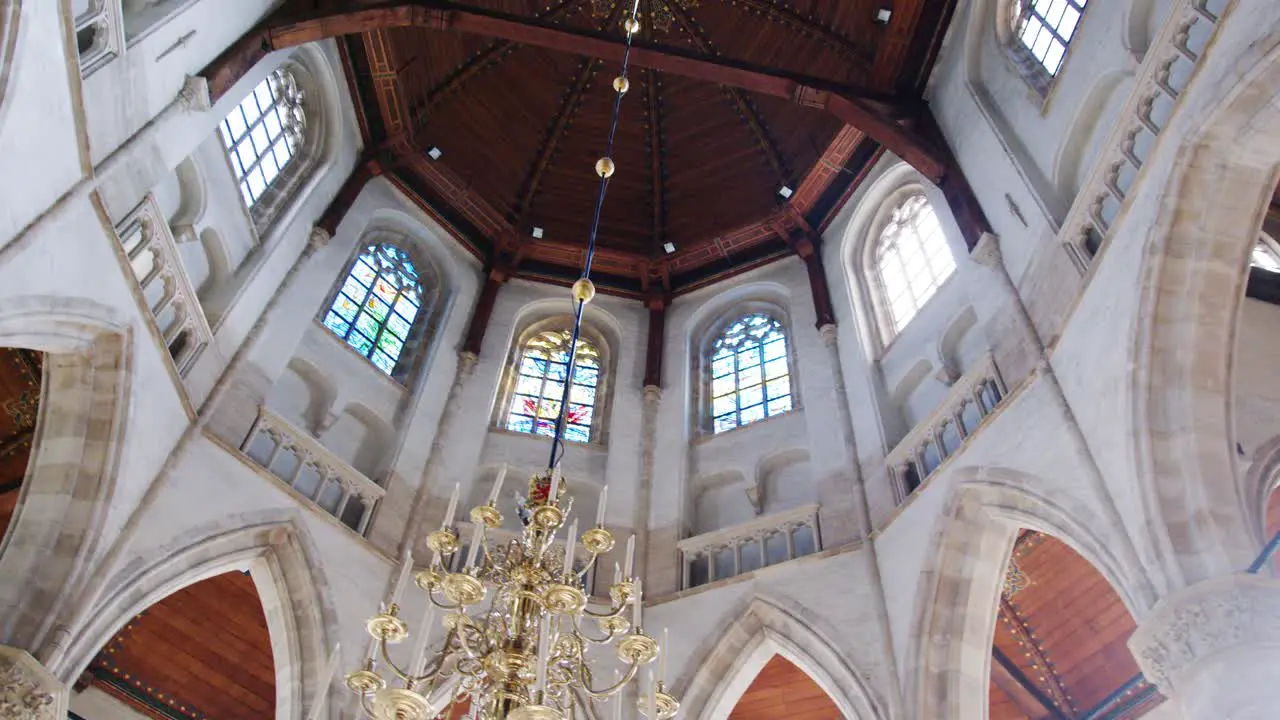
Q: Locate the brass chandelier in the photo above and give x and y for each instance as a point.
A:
(519, 625)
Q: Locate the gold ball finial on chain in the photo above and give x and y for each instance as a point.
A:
(631, 25)
(621, 85)
(584, 290)
(605, 167)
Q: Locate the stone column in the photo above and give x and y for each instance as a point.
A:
(28, 691)
(644, 493)
(1214, 648)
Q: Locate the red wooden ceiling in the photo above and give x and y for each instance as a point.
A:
(20, 376)
(1065, 630)
(783, 691)
(522, 126)
(202, 652)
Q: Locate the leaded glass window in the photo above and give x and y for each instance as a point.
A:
(912, 260)
(263, 133)
(1265, 256)
(377, 305)
(539, 386)
(750, 376)
(1045, 29)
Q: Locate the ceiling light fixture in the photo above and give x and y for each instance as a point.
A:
(434, 153)
(515, 647)
(883, 15)
(786, 192)
(670, 247)
(537, 233)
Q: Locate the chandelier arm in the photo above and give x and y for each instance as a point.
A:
(613, 612)
(366, 704)
(386, 658)
(466, 647)
(613, 689)
(439, 661)
(577, 629)
(441, 606)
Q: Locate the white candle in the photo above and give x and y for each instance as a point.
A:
(406, 564)
(637, 599)
(453, 507)
(424, 637)
(604, 500)
(476, 534)
(322, 690)
(617, 573)
(543, 632)
(631, 556)
(617, 708)
(569, 544)
(653, 698)
(370, 652)
(497, 485)
(662, 655)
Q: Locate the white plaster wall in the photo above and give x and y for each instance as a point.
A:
(1257, 395)
(94, 704)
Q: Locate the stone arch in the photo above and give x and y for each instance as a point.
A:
(1190, 299)
(765, 629)
(1261, 481)
(10, 15)
(302, 626)
(57, 527)
(948, 656)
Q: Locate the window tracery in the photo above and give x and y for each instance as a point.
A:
(263, 134)
(378, 309)
(910, 262)
(541, 370)
(749, 376)
(1044, 29)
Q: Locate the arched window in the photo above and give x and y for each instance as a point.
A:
(263, 133)
(541, 370)
(1044, 29)
(1265, 255)
(911, 261)
(378, 310)
(750, 377)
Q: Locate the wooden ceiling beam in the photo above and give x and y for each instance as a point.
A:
(791, 18)
(1054, 690)
(877, 114)
(551, 140)
(1030, 699)
(740, 102)
(657, 159)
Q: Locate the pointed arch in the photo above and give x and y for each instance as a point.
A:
(765, 629)
(302, 626)
(949, 654)
(57, 526)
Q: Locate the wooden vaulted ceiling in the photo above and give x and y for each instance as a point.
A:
(700, 164)
(1059, 649)
(782, 690)
(202, 653)
(20, 377)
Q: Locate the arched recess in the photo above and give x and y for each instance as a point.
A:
(203, 651)
(948, 660)
(302, 626)
(66, 493)
(763, 630)
(1193, 285)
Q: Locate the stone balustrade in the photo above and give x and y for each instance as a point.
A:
(971, 399)
(767, 540)
(99, 34)
(302, 463)
(1165, 72)
(169, 297)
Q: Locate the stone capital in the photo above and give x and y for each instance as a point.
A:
(828, 333)
(28, 691)
(194, 95)
(1206, 622)
(652, 394)
(318, 238)
(467, 363)
(987, 252)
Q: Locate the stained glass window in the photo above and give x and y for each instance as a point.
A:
(912, 260)
(1265, 256)
(750, 379)
(262, 134)
(540, 377)
(377, 305)
(1045, 28)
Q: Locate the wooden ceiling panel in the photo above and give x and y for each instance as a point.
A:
(1001, 707)
(782, 690)
(201, 653)
(21, 372)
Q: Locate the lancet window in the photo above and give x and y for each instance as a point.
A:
(910, 262)
(264, 133)
(1045, 28)
(750, 375)
(542, 368)
(378, 309)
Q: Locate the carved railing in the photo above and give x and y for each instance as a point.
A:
(767, 540)
(172, 301)
(971, 399)
(1165, 73)
(99, 34)
(302, 463)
